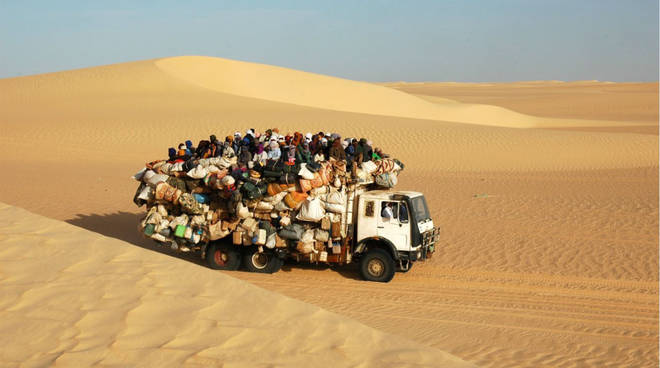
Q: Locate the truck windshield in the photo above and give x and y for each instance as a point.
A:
(419, 208)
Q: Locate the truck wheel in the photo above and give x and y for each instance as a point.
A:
(261, 262)
(377, 265)
(223, 257)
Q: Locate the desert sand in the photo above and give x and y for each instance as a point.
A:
(77, 298)
(547, 194)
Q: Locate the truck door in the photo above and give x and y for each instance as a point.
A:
(393, 224)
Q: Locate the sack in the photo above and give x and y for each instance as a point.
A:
(266, 225)
(335, 208)
(138, 176)
(154, 179)
(369, 167)
(388, 180)
(305, 247)
(305, 173)
(261, 237)
(317, 181)
(273, 189)
(189, 204)
(289, 178)
(323, 256)
(325, 223)
(321, 235)
(224, 162)
(230, 224)
(305, 185)
(241, 211)
(271, 241)
(285, 221)
(320, 191)
(336, 229)
(294, 199)
(279, 242)
(264, 206)
(146, 194)
(291, 232)
(216, 232)
(311, 210)
(336, 197)
(336, 249)
(250, 191)
(307, 236)
(198, 172)
(250, 225)
(384, 166)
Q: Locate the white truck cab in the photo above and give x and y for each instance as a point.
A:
(395, 225)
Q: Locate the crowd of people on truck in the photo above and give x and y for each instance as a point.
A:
(255, 150)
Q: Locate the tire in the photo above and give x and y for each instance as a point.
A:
(377, 265)
(223, 257)
(265, 262)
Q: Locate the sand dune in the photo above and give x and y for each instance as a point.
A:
(313, 90)
(548, 234)
(75, 298)
(632, 103)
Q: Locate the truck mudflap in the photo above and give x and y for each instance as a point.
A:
(428, 242)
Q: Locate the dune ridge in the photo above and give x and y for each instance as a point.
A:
(314, 90)
(76, 298)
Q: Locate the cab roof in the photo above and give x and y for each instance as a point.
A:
(390, 194)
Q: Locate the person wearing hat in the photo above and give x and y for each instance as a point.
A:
(227, 150)
(189, 147)
(337, 151)
(260, 156)
(274, 153)
(303, 154)
(244, 155)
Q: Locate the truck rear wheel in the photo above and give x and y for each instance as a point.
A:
(265, 262)
(223, 257)
(377, 265)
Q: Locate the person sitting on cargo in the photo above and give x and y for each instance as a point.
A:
(387, 212)
(236, 143)
(228, 151)
(337, 151)
(303, 153)
(368, 151)
(274, 152)
(171, 152)
(260, 156)
(244, 155)
(189, 147)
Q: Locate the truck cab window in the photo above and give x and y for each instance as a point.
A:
(403, 213)
(389, 210)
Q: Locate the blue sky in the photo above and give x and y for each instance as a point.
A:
(443, 40)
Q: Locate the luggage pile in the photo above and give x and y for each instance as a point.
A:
(301, 205)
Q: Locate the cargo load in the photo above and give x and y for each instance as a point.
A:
(263, 198)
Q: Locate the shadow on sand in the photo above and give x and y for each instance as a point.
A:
(123, 226)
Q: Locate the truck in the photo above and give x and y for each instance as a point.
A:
(317, 213)
(380, 245)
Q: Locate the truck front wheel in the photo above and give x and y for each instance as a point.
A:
(223, 257)
(265, 262)
(377, 265)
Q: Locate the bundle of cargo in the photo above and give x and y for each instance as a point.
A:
(273, 209)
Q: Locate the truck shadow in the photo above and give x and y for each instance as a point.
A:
(123, 226)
